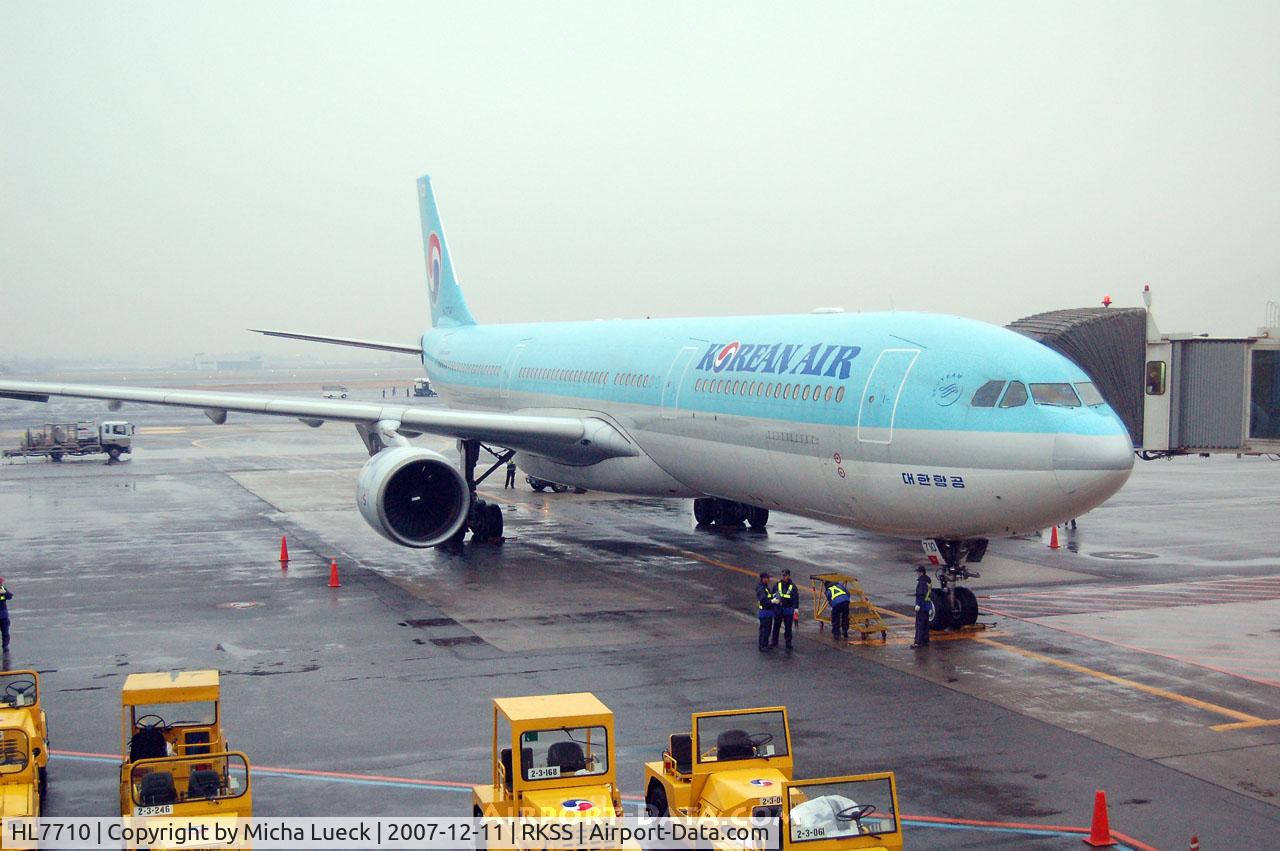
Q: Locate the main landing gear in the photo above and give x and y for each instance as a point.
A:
(485, 519)
(953, 604)
(709, 511)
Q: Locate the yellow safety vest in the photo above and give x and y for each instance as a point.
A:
(835, 592)
(785, 598)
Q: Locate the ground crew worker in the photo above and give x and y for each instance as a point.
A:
(765, 609)
(511, 474)
(787, 596)
(5, 596)
(838, 601)
(924, 602)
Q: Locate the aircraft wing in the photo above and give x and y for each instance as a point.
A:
(399, 348)
(572, 440)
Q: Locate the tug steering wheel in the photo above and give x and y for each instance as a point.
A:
(856, 813)
(143, 723)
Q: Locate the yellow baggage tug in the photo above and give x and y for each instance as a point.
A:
(838, 813)
(738, 764)
(24, 745)
(552, 758)
(176, 762)
(731, 764)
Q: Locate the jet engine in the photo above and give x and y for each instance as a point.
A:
(414, 497)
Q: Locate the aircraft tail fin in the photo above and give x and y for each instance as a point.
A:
(448, 307)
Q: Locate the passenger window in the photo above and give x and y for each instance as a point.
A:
(1089, 393)
(826, 397)
(1156, 377)
(805, 397)
(1015, 396)
(839, 394)
(786, 391)
(1055, 395)
(987, 394)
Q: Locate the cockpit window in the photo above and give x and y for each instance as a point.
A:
(1089, 394)
(1015, 396)
(1058, 395)
(987, 394)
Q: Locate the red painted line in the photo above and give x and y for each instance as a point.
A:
(412, 781)
(1017, 825)
(266, 769)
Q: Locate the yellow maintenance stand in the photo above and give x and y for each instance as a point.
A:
(175, 756)
(864, 619)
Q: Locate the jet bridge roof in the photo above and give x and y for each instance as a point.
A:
(1108, 343)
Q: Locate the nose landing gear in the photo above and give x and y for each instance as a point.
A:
(953, 604)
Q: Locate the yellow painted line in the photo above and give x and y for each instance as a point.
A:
(1243, 719)
(1124, 681)
(942, 636)
(707, 560)
(1244, 725)
(162, 430)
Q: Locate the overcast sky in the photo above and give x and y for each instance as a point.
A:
(172, 173)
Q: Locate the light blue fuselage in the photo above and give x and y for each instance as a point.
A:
(861, 419)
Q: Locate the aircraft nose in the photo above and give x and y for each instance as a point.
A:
(1092, 466)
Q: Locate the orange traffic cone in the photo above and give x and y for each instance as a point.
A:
(1100, 830)
(284, 550)
(333, 574)
(1053, 539)
(1195, 843)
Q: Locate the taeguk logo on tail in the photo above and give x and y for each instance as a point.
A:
(433, 265)
(577, 805)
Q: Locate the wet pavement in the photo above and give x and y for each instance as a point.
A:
(1142, 658)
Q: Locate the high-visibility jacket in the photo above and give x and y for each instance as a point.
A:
(837, 594)
(787, 595)
(764, 601)
(924, 589)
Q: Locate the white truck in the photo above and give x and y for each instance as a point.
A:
(85, 437)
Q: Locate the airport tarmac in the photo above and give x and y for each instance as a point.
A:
(1142, 658)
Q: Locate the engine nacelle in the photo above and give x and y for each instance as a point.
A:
(414, 497)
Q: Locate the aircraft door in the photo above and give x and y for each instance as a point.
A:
(879, 404)
(509, 369)
(674, 381)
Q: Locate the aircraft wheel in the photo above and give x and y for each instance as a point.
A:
(940, 611)
(560, 488)
(757, 517)
(968, 603)
(732, 513)
(493, 520)
(655, 801)
(703, 514)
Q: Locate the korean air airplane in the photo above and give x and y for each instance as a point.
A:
(908, 424)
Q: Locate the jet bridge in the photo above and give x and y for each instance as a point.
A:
(1176, 393)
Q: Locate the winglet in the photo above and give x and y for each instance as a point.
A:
(448, 307)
